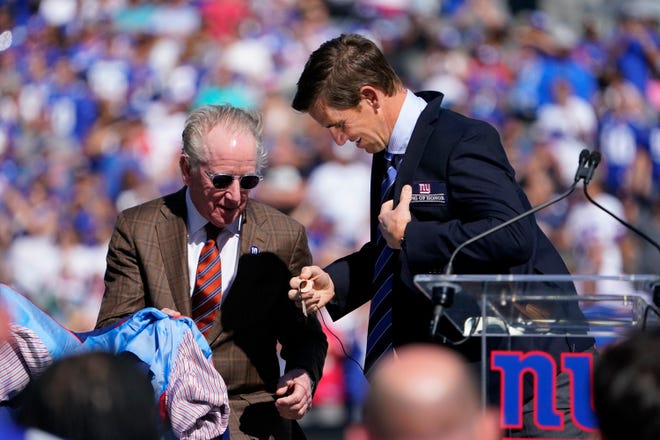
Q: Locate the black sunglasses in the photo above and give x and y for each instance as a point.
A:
(222, 181)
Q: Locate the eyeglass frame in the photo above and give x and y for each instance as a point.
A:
(212, 177)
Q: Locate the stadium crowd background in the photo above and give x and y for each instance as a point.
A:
(94, 94)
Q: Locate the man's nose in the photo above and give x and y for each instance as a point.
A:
(338, 136)
(233, 191)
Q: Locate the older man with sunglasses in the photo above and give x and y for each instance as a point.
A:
(211, 253)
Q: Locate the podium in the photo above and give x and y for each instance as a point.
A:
(510, 308)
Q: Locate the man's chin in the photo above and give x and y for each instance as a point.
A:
(228, 216)
(373, 149)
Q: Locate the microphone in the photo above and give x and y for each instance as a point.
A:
(583, 166)
(594, 159)
(443, 294)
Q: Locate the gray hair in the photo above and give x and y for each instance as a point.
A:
(202, 119)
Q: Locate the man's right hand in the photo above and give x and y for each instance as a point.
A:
(322, 291)
(172, 313)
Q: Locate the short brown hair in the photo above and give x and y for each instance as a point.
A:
(338, 68)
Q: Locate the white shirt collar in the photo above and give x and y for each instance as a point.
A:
(413, 106)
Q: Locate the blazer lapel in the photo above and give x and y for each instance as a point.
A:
(420, 135)
(377, 175)
(172, 233)
(253, 236)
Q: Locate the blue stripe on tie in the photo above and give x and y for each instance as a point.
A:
(388, 349)
(202, 260)
(380, 328)
(206, 255)
(204, 315)
(210, 280)
(387, 184)
(385, 252)
(382, 261)
(382, 325)
(382, 292)
(207, 299)
(206, 327)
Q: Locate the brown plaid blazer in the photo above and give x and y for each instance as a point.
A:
(147, 267)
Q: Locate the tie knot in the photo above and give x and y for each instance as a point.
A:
(392, 158)
(212, 231)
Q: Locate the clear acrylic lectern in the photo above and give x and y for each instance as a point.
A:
(506, 307)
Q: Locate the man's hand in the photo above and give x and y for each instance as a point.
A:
(393, 221)
(172, 313)
(294, 394)
(321, 292)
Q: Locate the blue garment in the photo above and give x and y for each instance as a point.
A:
(633, 62)
(583, 82)
(186, 385)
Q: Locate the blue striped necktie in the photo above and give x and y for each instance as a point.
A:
(379, 334)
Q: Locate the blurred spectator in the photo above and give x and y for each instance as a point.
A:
(333, 218)
(567, 115)
(541, 183)
(626, 393)
(623, 130)
(425, 392)
(94, 395)
(636, 47)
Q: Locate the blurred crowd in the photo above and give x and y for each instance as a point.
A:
(94, 94)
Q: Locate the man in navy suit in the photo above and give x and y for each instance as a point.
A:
(453, 182)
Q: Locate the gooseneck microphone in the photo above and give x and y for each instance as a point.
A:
(443, 294)
(594, 159)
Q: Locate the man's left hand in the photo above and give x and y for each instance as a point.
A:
(393, 221)
(294, 394)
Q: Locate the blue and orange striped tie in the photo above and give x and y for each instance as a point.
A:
(207, 292)
(379, 333)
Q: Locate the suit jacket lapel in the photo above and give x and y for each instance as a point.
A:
(253, 236)
(172, 233)
(377, 175)
(417, 144)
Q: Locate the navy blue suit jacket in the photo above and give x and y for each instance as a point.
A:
(463, 184)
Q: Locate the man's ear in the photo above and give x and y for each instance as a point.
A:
(371, 96)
